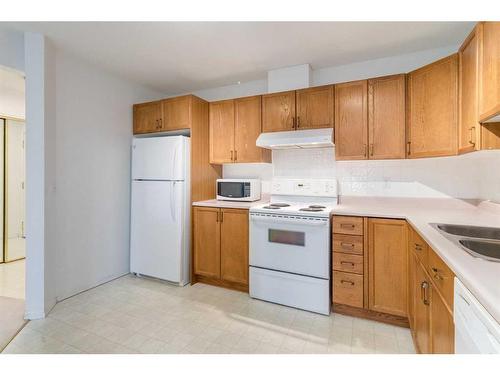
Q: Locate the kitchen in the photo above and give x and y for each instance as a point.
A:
(274, 246)
(313, 200)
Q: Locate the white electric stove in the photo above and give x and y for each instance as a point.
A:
(290, 244)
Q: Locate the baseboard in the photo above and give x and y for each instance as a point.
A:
(220, 283)
(372, 315)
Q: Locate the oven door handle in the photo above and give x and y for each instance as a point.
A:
(263, 219)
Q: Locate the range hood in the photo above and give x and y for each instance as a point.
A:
(314, 138)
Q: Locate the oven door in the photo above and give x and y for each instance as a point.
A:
(295, 245)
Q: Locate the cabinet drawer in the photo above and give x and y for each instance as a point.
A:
(419, 247)
(348, 225)
(348, 289)
(348, 263)
(345, 243)
(442, 277)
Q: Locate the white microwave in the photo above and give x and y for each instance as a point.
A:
(246, 190)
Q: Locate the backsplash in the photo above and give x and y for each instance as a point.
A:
(474, 175)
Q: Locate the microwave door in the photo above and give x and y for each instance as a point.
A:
(228, 189)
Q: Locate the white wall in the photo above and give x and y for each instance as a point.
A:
(94, 132)
(12, 93)
(78, 136)
(12, 49)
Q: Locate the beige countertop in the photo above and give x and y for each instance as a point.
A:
(231, 204)
(480, 276)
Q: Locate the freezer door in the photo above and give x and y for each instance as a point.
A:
(160, 158)
(157, 230)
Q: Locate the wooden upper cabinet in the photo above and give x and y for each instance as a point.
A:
(489, 76)
(248, 126)
(176, 113)
(468, 124)
(278, 111)
(351, 130)
(315, 107)
(234, 245)
(386, 117)
(221, 124)
(147, 117)
(206, 242)
(388, 266)
(432, 109)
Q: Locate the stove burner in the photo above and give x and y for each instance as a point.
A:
(279, 205)
(271, 207)
(311, 209)
(316, 206)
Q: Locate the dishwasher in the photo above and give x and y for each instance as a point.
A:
(476, 331)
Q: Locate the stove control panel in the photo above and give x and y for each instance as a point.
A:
(305, 187)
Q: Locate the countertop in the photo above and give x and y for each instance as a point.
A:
(231, 204)
(481, 277)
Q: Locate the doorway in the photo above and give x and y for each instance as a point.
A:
(12, 204)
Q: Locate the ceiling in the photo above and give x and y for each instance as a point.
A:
(177, 57)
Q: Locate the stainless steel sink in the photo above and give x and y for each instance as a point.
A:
(486, 249)
(470, 231)
(480, 242)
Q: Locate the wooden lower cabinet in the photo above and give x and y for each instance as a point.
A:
(442, 327)
(206, 242)
(421, 327)
(388, 266)
(220, 246)
(234, 245)
(429, 306)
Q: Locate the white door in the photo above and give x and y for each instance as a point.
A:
(159, 158)
(156, 229)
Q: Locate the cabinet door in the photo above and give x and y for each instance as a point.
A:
(351, 123)
(278, 112)
(147, 117)
(221, 123)
(468, 125)
(386, 117)
(412, 269)
(432, 109)
(489, 79)
(234, 246)
(422, 315)
(315, 107)
(248, 127)
(206, 238)
(176, 113)
(388, 266)
(442, 327)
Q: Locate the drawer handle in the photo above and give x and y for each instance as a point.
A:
(343, 225)
(418, 247)
(347, 282)
(346, 244)
(349, 263)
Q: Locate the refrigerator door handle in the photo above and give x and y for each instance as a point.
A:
(174, 166)
(172, 201)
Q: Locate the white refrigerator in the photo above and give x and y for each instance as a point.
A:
(160, 208)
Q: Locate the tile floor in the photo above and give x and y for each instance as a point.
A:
(11, 300)
(137, 315)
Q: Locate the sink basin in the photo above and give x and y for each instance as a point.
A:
(470, 231)
(489, 250)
